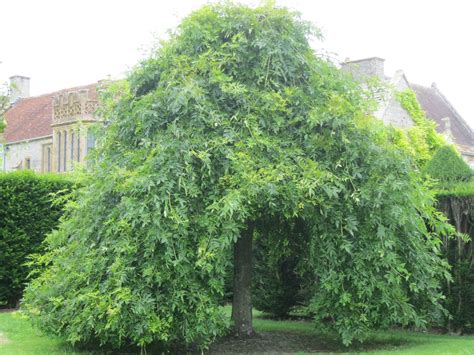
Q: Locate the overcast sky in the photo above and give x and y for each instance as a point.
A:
(61, 44)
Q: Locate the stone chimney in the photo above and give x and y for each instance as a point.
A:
(20, 87)
(365, 68)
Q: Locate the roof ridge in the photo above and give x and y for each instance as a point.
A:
(420, 86)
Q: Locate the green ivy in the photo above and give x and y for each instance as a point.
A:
(422, 138)
(4, 105)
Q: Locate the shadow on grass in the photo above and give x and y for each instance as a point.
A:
(280, 341)
(297, 335)
(276, 337)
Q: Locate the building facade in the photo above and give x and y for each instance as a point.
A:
(48, 133)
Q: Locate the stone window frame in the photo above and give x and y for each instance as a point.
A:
(65, 150)
(79, 144)
(47, 157)
(90, 141)
(59, 147)
(72, 134)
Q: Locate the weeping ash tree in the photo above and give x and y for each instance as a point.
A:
(233, 121)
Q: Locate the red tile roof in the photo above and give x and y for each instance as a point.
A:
(31, 117)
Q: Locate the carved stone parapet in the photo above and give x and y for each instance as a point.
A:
(69, 106)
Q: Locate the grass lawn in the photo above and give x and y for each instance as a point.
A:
(18, 337)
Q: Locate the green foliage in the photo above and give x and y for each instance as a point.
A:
(460, 296)
(26, 216)
(377, 230)
(456, 189)
(421, 140)
(447, 166)
(459, 252)
(235, 120)
(4, 105)
(278, 284)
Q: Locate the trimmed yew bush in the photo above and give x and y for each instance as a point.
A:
(27, 214)
(447, 166)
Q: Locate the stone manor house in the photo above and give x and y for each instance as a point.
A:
(47, 133)
(50, 132)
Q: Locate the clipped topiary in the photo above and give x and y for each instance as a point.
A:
(447, 166)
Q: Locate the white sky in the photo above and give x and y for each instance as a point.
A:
(61, 44)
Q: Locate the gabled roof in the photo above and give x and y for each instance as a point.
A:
(437, 108)
(31, 117)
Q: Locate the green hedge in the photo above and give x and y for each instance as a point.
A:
(26, 215)
(455, 192)
(279, 280)
(459, 252)
(456, 189)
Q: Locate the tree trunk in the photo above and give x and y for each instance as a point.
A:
(242, 300)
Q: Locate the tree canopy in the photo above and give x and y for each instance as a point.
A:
(232, 121)
(4, 105)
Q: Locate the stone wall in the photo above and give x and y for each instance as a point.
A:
(393, 112)
(390, 111)
(20, 87)
(397, 116)
(19, 155)
(364, 69)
